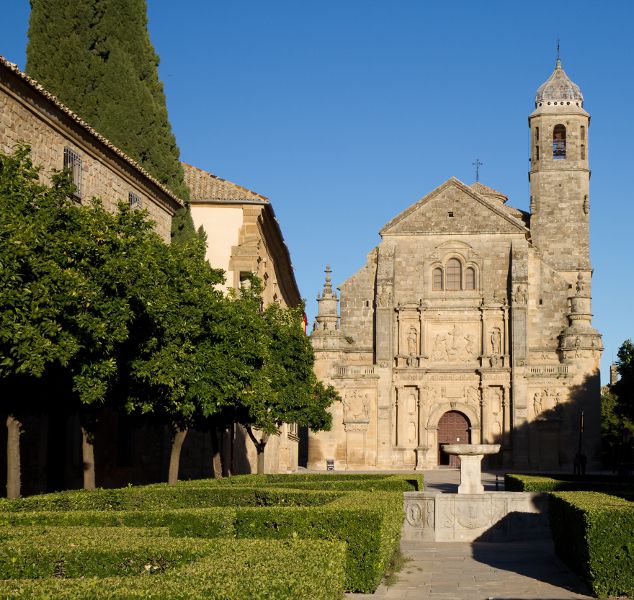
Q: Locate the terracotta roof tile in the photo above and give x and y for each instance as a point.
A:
(208, 187)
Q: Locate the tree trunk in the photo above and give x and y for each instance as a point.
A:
(14, 429)
(260, 445)
(88, 458)
(216, 448)
(175, 455)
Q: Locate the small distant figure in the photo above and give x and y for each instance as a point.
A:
(580, 463)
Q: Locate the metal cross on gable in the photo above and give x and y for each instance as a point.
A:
(477, 164)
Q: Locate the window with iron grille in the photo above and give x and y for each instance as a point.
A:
(134, 200)
(453, 274)
(72, 162)
(470, 280)
(437, 279)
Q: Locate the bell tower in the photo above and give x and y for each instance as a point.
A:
(560, 176)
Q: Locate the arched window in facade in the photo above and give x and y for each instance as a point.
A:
(559, 142)
(453, 275)
(437, 279)
(470, 279)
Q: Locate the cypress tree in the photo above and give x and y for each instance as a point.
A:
(97, 58)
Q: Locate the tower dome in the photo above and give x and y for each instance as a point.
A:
(558, 88)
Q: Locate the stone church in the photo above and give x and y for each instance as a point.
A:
(470, 321)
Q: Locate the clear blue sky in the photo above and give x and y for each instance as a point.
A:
(345, 112)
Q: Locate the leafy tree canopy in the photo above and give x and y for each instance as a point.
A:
(96, 56)
(624, 387)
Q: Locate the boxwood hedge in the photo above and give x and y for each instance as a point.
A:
(164, 496)
(222, 570)
(560, 483)
(317, 481)
(369, 522)
(594, 535)
(189, 522)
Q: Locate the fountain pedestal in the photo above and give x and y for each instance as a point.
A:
(473, 514)
(471, 464)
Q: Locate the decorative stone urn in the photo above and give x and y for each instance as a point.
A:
(470, 464)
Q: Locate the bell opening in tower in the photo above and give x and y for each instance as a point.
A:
(559, 142)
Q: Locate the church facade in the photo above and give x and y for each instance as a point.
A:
(471, 320)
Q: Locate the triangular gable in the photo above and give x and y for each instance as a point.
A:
(454, 207)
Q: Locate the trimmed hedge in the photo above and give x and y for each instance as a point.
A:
(162, 496)
(213, 522)
(370, 524)
(231, 570)
(559, 483)
(357, 511)
(317, 481)
(594, 535)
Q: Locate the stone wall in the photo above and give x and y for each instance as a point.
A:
(30, 116)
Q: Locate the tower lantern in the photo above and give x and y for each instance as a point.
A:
(560, 175)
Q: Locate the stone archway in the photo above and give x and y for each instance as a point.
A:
(453, 428)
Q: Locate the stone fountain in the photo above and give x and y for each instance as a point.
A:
(473, 514)
(470, 464)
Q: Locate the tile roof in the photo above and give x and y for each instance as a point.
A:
(487, 191)
(38, 88)
(206, 187)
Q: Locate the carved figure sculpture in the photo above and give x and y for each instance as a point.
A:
(467, 348)
(520, 296)
(537, 403)
(412, 339)
(496, 341)
(440, 348)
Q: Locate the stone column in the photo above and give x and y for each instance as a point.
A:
(484, 418)
(421, 329)
(395, 417)
(483, 337)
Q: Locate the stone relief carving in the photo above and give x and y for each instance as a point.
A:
(471, 516)
(544, 400)
(473, 395)
(519, 296)
(412, 341)
(581, 286)
(453, 346)
(495, 360)
(384, 297)
(446, 516)
(411, 403)
(411, 432)
(414, 514)
(355, 426)
(439, 352)
(356, 407)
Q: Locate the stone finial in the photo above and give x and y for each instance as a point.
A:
(328, 282)
(327, 317)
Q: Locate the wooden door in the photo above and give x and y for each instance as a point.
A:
(453, 428)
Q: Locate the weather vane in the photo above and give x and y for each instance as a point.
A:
(557, 49)
(477, 164)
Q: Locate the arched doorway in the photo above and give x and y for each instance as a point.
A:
(453, 428)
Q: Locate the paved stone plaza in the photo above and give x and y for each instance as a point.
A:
(478, 571)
